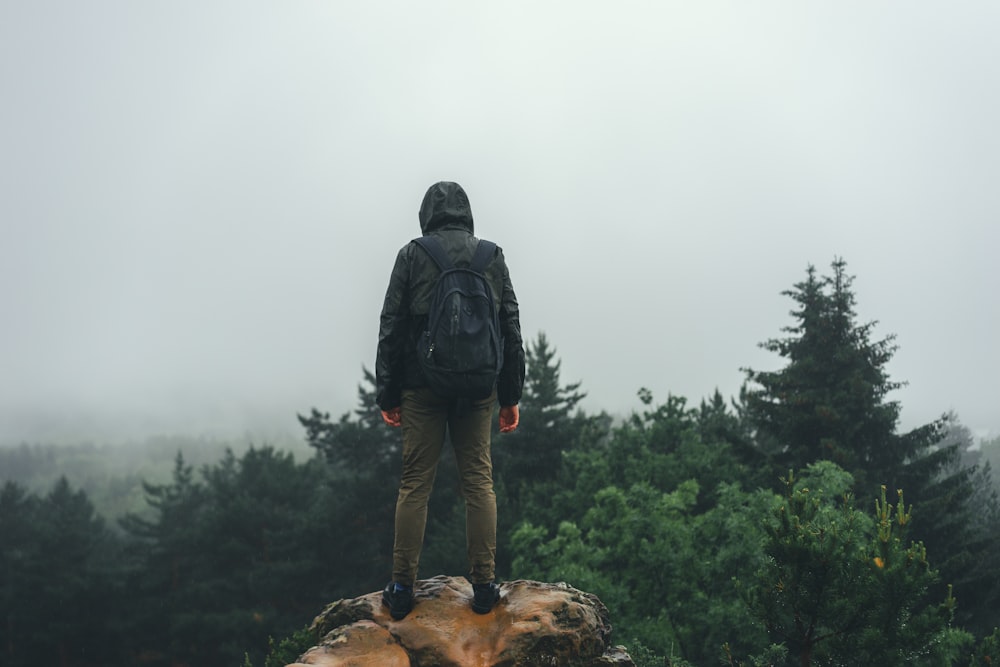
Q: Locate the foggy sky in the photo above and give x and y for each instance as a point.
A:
(200, 202)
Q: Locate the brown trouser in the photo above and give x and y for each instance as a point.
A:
(425, 416)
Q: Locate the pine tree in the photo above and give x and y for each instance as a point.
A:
(58, 589)
(830, 402)
(165, 566)
(359, 443)
(533, 453)
(549, 401)
(364, 456)
(527, 464)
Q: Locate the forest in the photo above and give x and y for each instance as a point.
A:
(793, 524)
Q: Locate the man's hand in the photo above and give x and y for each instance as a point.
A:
(509, 418)
(393, 417)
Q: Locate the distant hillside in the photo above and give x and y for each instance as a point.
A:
(112, 475)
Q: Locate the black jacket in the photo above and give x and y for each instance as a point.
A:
(445, 213)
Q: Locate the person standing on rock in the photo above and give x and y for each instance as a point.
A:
(449, 349)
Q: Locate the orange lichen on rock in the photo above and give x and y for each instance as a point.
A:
(534, 623)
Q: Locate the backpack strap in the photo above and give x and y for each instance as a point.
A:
(434, 249)
(484, 253)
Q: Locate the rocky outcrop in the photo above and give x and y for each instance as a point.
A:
(533, 624)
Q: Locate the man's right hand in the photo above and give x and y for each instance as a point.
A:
(509, 418)
(393, 417)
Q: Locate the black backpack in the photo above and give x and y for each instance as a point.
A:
(461, 352)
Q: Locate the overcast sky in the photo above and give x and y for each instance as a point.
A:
(201, 201)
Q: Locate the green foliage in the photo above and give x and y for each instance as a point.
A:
(641, 533)
(57, 564)
(230, 559)
(112, 475)
(669, 516)
(840, 587)
(653, 523)
(770, 656)
(643, 656)
(830, 402)
(363, 458)
(663, 447)
(289, 649)
(988, 652)
(529, 464)
(532, 454)
(358, 445)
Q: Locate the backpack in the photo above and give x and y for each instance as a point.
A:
(461, 351)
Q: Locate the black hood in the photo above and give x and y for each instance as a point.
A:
(444, 205)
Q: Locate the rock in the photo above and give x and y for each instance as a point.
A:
(533, 624)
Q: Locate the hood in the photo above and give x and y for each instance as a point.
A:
(444, 205)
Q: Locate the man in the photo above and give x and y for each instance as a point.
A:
(406, 400)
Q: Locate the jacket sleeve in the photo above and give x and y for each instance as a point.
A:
(511, 381)
(392, 336)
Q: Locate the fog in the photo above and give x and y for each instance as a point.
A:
(201, 201)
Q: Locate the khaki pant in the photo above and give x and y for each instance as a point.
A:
(425, 417)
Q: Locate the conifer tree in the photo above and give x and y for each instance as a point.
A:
(358, 444)
(533, 452)
(527, 464)
(164, 566)
(58, 588)
(365, 460)
(830, 402)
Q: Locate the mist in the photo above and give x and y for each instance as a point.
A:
(200, 203)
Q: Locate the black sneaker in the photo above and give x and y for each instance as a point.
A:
(399, 601)
(484, 596)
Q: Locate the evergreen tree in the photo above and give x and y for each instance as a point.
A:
(717, 422)
(830, 402)
(966, 514)
(663, 446)
(164, 566)
(266, 571)
(547, 428)
(57, 579)
(365, 459)
(528, 463)
(229, 560)
(358, 444)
